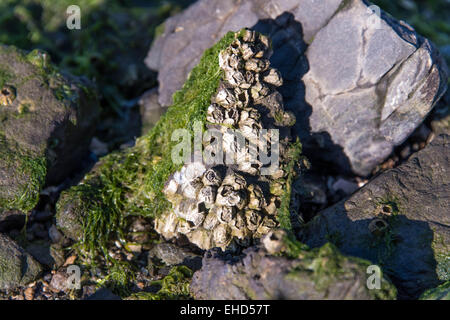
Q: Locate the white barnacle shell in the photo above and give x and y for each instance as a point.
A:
(257, 201)
(266, 225)
(249, 35)
(257, 65)
(235, 180)
(212, 178)
(274, 78)
(191, 188)
(250, 113)
(239, 226)
(250, 128)
(222, 235)
(215, 114)
(225, 214)
(211, 220)
(170, 188)
(253, 219)
(274, 241)
(207, 194)
(274, 204)
(248, 50)
(196, 215)
(222, 195)
(225, 97)
(237, 199)
(251, 167)
(231, 116)
(259, 90)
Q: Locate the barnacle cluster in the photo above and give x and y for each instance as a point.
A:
(217, 205)
(7, 95)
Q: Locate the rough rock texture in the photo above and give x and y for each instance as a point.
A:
(46, 123)
(150, 109)
(173, 255)
(360, 88)
(17, 268)
(319, 274)
(399, 220)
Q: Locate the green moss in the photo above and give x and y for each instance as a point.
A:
(131, 182)
(30, 172)
(174, 286)
(326, 265)
(442, 292)
(292, 168)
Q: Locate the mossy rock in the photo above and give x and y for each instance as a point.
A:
(440, 293)
(46, 123)
(131, 181)
(17, 268)
(309, 274)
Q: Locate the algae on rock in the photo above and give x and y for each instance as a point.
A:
(46, 122)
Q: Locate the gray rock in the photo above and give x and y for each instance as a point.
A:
(103, 294)
(399, 220)
(360, 88)
(17, 268)
(173, 255)
(50, 256)
(46, 122)
(319, 274)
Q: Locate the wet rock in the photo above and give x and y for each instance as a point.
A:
(173, 255)
(17, 268)
(359, 85)
(399, 220)
(46, 122)
(318, 274)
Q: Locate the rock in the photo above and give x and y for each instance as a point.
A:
(173, 255)
(103, 294)
(17, 268)
(51, 256)
(406, 209)
(359, 85)
(46, 122)
(60, 282)
(440, 293)
(150, 109)
(318, 274)
(11, 220)
(54, 234)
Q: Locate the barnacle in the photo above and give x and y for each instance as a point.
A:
(7, 95)
(216, 205)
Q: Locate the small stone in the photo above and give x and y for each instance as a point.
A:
(29, 293)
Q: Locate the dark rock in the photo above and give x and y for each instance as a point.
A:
(17, 268)
(399, 220)
(103, 294)
(11, 220)
(319, 274)
(51, 256)
(360, 88)
(173, 255)
(46, 121)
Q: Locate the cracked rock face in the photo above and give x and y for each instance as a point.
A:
(219, 204)
(359, 85)
(399, 220)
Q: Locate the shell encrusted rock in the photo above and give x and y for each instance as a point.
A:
(221, 205)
